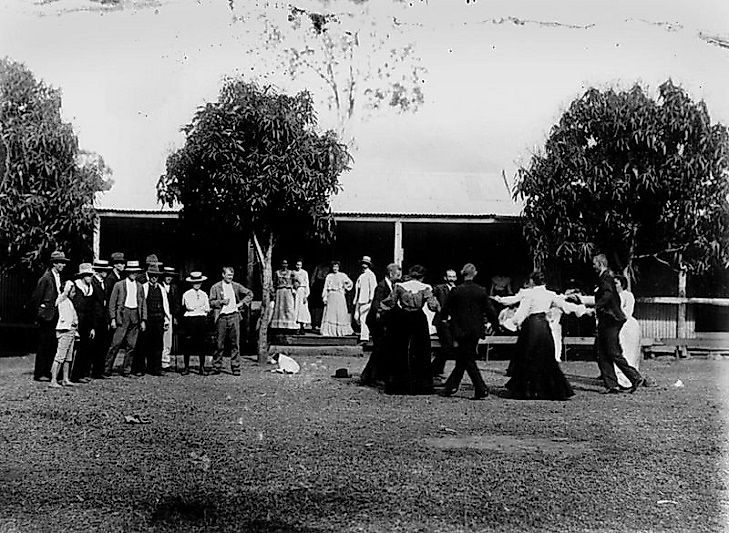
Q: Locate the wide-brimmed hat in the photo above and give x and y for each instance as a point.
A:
(117, 257)
(101, 264)
(58, 257)
(85, 269)
(341, 373)
(151, 258)
(366, 260)
(195, 277)
(132, 266)
(169, 271)
(154, 270)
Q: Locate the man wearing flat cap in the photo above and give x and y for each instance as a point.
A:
(46, 314)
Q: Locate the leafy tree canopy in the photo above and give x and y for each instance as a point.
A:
(633, 177)
(47, 184)
(253, 161)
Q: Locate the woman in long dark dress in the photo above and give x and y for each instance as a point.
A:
(535, 374)
(407, 357)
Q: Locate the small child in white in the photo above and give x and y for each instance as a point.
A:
(66, 331)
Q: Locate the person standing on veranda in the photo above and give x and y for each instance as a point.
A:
(44, 300)
(301, 303)
(336, 321)
(364, 292)
(227, 299)
(284, 292)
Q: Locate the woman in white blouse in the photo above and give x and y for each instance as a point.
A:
(535, 374)
(196, 304)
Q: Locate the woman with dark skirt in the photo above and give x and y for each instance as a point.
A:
(197, 307)
(407, 359)
(535, 374)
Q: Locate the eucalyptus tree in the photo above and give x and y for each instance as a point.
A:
(47, 183)
(254, 162)
(633, 176)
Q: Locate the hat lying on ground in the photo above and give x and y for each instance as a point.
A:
(341, 373)
(195, 277)
(101, 264)
(85, 269)
(132, 266)
(118, 257)
(58, 257)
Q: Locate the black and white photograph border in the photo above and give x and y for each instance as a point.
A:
(364, 266)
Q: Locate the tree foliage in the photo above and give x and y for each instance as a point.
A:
(253, 161)
(359, 60)
(633, 177)
(47, 184)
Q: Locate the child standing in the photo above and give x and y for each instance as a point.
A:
(66, 331)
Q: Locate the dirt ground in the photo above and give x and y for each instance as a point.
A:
(310, 453)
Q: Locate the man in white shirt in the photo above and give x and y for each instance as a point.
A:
(364, 292)
(128, 313)
(227, 299)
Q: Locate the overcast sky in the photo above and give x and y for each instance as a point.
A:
(132, 77)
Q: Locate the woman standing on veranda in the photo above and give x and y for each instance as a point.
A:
(285, 285)
(301, 304)
(629, 336)
(336, 321)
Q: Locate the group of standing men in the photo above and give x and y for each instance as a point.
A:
(119, 305)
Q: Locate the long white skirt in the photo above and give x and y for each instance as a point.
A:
(301, 306)
(336, 321)
(630, 343)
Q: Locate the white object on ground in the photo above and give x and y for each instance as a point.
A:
(678, 383)
(286, 365)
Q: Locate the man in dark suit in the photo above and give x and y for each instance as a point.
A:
(610, 318)
(377, 323)
(46, 315)
(442, 327)
(100, 316)
(128, 313)
(467, 307)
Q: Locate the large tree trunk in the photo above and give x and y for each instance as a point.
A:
(267, 253)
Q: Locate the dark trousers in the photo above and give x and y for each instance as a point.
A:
(153, 344)
(140, 353)
(124, 335)
(466, 352)
(609, 352)
(99, 348)
(82, 361)
(446, 348)
(196, 328)
(228, 332)
(47, 344)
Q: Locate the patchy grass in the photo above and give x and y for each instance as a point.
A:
(309, 453)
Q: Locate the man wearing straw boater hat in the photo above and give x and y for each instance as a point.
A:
(128, 313)
(363, 293)
(44, 300)
(173, 299)
(196, 306)
(100, 344)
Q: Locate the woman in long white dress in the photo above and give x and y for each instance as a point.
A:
(336, 321)
(630, 332)
(301, 305)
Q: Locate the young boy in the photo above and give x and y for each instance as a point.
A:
(66, 331)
